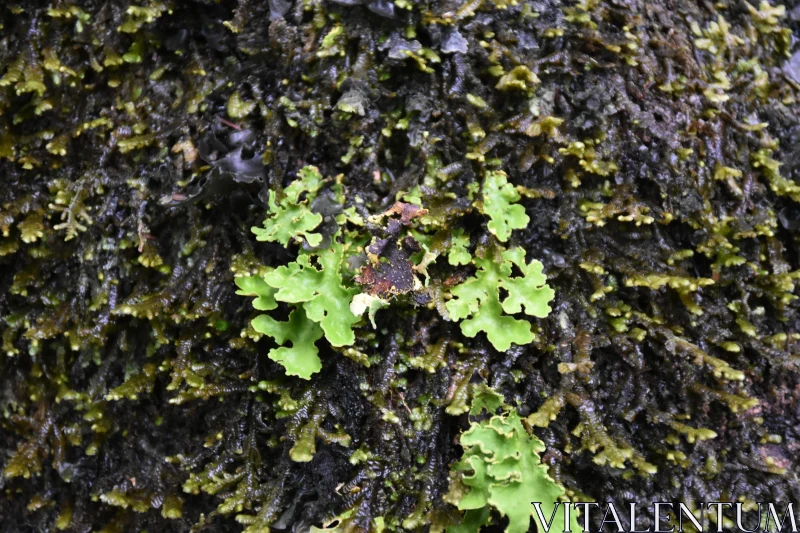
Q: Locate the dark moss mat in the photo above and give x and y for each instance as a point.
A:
(639, 158)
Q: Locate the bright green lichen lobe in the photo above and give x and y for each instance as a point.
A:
(290, 217)
(300, 359)
(321, 305)
(479, 301)
(503, 471)
(320, 291)
(499, 204)
(459, 253)
(256, 286)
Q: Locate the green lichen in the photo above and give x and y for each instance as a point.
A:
(256, 286)
(478, 303)
(502, 470)
(321, 292)
(499, 204)
(290, 217)
(459, 253)
(300, 359)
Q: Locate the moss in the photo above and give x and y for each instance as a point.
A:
(652, 174)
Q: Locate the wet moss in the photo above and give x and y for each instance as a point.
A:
(651, 147)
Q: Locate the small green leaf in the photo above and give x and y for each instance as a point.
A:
(479, 481)
(499, 199)
(484, 397)
(301, 359)
(479, 299)
(459, 249)
(529, 291)
(291, 218)
(321, 292)
(135, 53)
(503, 470)
(256, 286)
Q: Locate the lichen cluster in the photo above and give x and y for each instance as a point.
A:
(395, 187)
(327, 300)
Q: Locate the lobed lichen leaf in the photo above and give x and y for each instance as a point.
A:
(477, 301)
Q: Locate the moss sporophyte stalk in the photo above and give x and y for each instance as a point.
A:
(371, 265)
